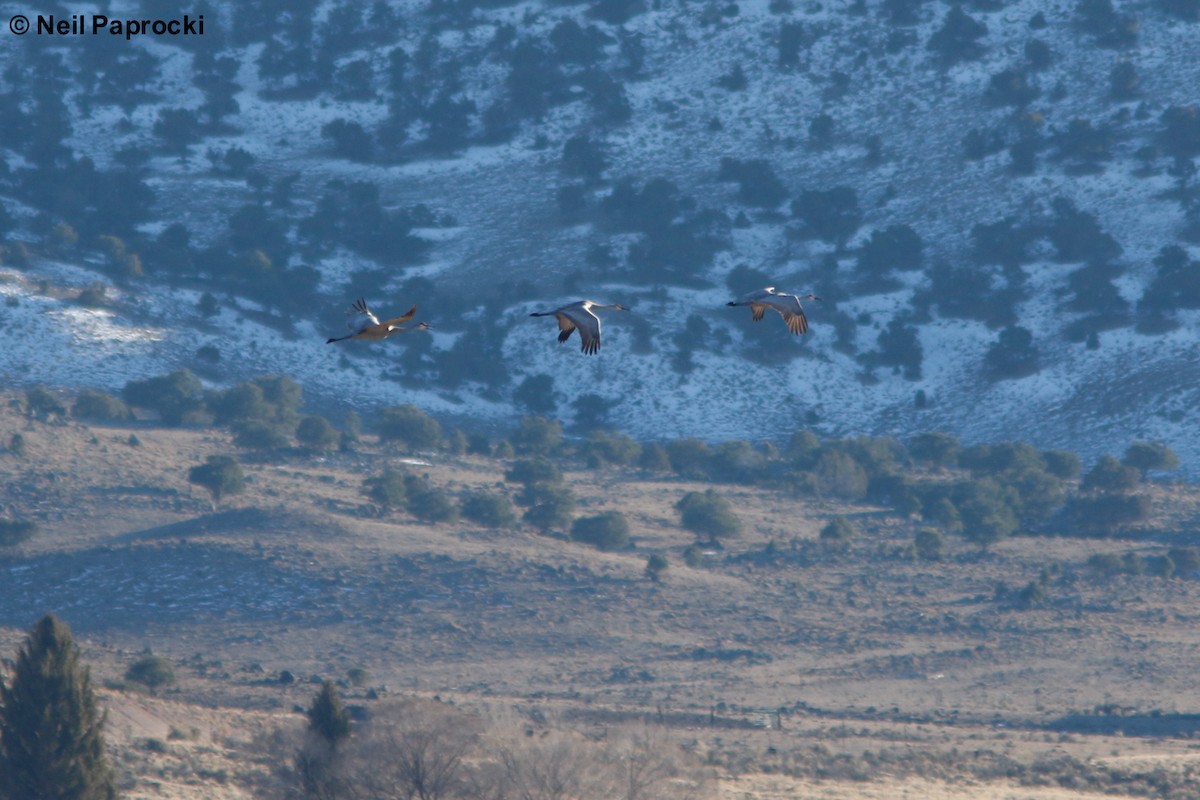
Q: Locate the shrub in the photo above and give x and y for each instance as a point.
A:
(1145, 456)
(608, 447)
(536, 470)
(258, 434)
(935, 448)
(691, 458)
(837, 533)
(387, 490)
(1012, 356)
(654, 458)
(553, 512)
(656, 565)
(1110, 475)
(15, 531)
(492, 510)
(1062, 464)
(429, 503)
(987, 518)
(608, 531)
(172, 396)
(737, 462)
(315, 433)
(100, 406)
(838, 474)
(537, 436)
(220, 475)
(708, 513)
(151, 672)
(1108, 513)
(929, 544)
(41, 404)
(410, 426)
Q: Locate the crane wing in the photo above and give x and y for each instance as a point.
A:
(589, 328)
(565, 326)
(400, 320)
(792, 313)
(757, 310)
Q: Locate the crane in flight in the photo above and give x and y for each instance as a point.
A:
(579, 315)
(788, 306)
(363, 324)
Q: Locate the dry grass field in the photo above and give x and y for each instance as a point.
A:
(794, 672)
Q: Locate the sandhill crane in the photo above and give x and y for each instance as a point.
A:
(580, 315)
(365, 325)
(788, 306)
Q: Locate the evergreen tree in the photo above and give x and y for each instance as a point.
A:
(317, 762)
(51, 742)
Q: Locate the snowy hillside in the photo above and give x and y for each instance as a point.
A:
(936, 118)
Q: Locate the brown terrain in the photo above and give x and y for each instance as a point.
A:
(794, 672)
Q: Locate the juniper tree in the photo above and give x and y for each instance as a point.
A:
(51, 740)
(317, 762)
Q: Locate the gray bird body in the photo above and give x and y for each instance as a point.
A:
(579, 316)
(788, 306)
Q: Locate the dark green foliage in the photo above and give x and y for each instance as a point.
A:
(1180, 137)
(1123, 81)
(656, 565)
(708, 514)
(654, 458)
(1100, 19)
(1011, 87)
(348, 139)
(900, 348)
(16, 445)
(1110, 475)
(929, 544)
(429, 503)
(1077, 235)
(490, 509)
(387, 490)
(41, 404)
(1108, 513)
(15, 531)
(1004, 243)
(1013, 355)
(1145, 456)
(958, 38)
(608, 531)
(897, 247)
(583, 157)
(1062, 464)
(737, 461)
(551, 509)
(758, 185)
(803, 449)
(1083, 147)
(535, 470)
(151, 671)
(987, 516)
(1176, 283)
(1001, 458)
(691, 458)
(537, 436)
(316, 433)
(51, 737)
(410, 426)
(1188, 10)
(945, 514)
(611, 447)
(832, 215)
(172, 396)
(1110, 564)
(327, 718)
(936, 449)
(536, 394)
(258, 434)
(837, 533)
(838, 474)
(220, 475)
